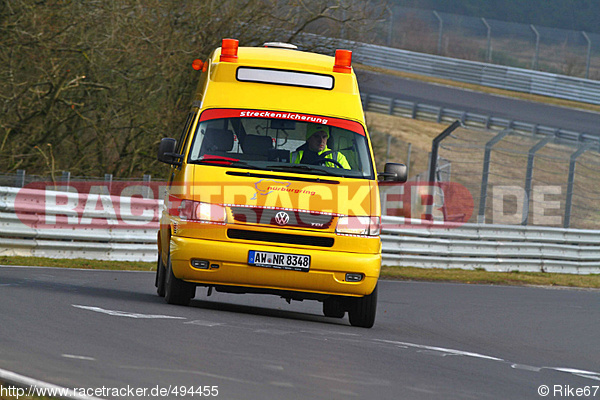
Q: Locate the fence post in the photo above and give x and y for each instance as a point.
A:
(389, 145)
(20, 178)
(108, 179)
(572, 162)
(589, 54)
(408, 159)
(486, 172)
(529, 176)
(391, 26)
(489, 40)
(435, 147)
(537, 47)
(440, 32)
(147, 191)
(433, 159)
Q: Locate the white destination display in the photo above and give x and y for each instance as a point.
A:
(282, 77)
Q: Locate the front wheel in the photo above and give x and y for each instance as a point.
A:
(363, 309)
(160, 277)
(177, 291)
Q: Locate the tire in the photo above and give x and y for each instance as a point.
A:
(363, 310)
(333, 308)
(177, 291)
(160, 277)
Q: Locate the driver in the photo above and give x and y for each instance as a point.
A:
(316, 149)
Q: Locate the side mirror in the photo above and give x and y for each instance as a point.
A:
(166, 152)
(394, 172)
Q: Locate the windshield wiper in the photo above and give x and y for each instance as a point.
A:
(297, 167)
(227, 161)
(222, 160)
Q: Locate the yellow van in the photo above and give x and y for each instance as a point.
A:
(273, 187)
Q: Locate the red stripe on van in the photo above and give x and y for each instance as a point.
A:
(216, 113)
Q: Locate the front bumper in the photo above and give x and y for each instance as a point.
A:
(326, 275)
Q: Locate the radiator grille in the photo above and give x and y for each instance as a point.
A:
(287, 238)
(266, 216)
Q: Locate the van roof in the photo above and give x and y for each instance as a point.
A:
(283, 58)
(222, 89)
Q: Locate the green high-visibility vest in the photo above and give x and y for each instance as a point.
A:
(339, 157)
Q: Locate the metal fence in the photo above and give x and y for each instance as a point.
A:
(561, 51)
(21, 178)
(517, 173)
(526, 179)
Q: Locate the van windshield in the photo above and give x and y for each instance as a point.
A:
(281, 141)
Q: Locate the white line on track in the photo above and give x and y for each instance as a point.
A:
(441, 350)
(117, 313)
(75, 357)
(451, 352)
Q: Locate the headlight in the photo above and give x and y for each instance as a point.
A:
(366, 226)
(197, 211)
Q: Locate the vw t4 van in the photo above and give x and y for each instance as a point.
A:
(273, 187)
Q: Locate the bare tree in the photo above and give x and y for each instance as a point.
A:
(92, 86)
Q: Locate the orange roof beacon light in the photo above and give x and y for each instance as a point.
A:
(197, 65)
(229, 50)
(343, 61)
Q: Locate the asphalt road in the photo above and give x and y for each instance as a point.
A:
(94, 329)
(479, 103)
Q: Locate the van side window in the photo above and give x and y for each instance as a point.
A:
(185, 133)
(182, 139)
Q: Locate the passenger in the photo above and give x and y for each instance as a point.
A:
(315, 149)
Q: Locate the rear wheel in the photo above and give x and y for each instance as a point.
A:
(177, 291)
(333, 308)
(363, 310)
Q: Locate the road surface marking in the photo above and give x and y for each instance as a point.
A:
(116, 313)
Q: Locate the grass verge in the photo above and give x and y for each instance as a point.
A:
(400, 273)
(78, 263)
(514, 278)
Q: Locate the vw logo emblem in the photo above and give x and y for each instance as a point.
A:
(282, 218)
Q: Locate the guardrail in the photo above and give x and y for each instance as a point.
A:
(492, 75)
(25, 231)
(491, 247)
(29, 226)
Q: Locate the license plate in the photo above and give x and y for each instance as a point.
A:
(295, 262)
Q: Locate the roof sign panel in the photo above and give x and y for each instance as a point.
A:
(285, 77)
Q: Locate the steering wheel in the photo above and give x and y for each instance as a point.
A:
(324, 160)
